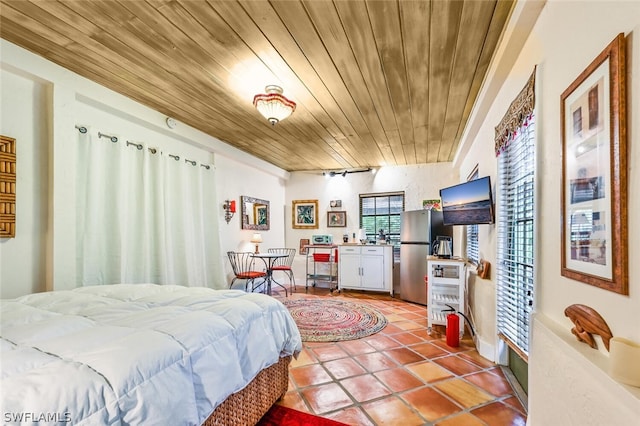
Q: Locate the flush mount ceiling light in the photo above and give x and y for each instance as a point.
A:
(272, 105)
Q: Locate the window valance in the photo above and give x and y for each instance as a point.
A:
(517, 115)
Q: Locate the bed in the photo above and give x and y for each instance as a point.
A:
(143, 354)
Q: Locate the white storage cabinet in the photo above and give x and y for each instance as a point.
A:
(366, 267)
(446, 285)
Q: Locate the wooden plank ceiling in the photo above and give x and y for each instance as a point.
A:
(389, 82)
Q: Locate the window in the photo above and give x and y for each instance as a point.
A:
(473, 252)
(382, 212)
(515, 269)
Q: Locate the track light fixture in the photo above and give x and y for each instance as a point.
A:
(345, 172)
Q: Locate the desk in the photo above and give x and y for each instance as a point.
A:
(269, 259)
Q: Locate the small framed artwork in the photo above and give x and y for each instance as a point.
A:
(305, 214)
(335, 203)
(594, 173)
(336, 219)
(260, 212)
(304, 242)
(434, 204)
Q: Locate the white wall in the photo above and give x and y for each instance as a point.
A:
(419, 182)
(23, 116)
(566, 37)
(587, 31)
(41, 104)
(236, 179)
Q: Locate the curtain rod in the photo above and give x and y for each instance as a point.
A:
(139, 146)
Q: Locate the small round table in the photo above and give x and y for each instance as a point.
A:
(269, 259)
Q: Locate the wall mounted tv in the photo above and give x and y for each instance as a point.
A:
(468, 203)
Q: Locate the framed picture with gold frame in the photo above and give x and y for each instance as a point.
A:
(260, 213)
(304, 214)
(594, 173)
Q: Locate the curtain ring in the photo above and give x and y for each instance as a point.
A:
(137, 145)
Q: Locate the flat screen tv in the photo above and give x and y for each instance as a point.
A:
(468, 203)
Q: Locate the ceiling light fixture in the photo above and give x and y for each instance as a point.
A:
(273, 105)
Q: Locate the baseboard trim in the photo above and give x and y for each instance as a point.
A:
(484, 348)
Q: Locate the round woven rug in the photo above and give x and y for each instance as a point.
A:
(326, 320)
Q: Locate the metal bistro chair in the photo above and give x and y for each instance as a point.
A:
(284, 264)
(243, 269)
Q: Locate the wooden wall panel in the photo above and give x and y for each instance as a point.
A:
(7, 187)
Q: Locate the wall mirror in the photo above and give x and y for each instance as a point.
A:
(255, 213)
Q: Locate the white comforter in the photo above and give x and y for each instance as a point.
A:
(135, 354)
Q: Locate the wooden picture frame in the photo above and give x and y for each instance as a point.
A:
(594, 173)
(304, 242)
(260, 213)
(337, 219)
(304, 214)
(7, 187)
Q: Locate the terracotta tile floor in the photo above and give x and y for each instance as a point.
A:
(400, 376)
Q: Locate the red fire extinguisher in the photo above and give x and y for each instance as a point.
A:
(453, 330)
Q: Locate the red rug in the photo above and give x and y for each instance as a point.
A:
(330, 320)
(284, 416)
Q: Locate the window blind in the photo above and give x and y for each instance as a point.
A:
(515, 271)
(382, 211)
(473, 251)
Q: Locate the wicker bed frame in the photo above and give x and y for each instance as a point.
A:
(247, 406)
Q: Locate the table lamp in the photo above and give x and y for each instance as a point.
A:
(256, 239)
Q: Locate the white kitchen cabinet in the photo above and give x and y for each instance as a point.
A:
(364, 267)
(446, 289)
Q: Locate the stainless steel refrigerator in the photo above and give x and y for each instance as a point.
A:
(418, 229)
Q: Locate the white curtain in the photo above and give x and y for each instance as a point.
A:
(144, 217)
